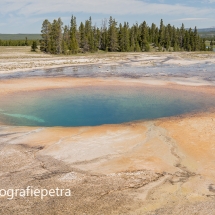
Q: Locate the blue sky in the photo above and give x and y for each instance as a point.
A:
(26, 16)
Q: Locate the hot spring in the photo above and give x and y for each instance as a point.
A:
(97, 105)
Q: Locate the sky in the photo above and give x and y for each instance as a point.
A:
(26, 16)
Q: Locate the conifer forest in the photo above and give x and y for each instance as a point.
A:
(114, 37)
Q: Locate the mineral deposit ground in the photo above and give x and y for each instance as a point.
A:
(162, 166)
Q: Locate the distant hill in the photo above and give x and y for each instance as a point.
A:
(206, 29)
(207, 32)
(20, 36)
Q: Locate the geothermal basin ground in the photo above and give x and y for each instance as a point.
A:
(156, 162)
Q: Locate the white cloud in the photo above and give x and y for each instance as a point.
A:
(119, 7)
(191, 19)
(207, 1)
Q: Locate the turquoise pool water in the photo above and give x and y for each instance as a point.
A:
(90, 106)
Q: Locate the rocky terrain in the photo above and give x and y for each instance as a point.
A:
(163, 167)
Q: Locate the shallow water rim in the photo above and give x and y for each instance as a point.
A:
(9, 86)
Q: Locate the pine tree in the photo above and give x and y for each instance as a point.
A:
(66, 40)
(59, 36)
(94, 39)
(73, 40)
(126, 37)
(181, 37)
(195, 40)
(104, 36)
(144, 37)
(161, 33)
(137, 38)
(82, 36)
(88, 39)
(91, 36)
(112, 35)
(120, 38)
(98, 39)
(156, 43)
(56, 37)
(132, 39)
(153, 33)
(187, 45)
(45, 34)
(166, 39)
(123, 38)
(34, 46)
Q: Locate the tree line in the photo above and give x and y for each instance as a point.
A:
(112, 37)
(24, 42)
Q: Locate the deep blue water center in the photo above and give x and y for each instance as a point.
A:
(90, 105)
